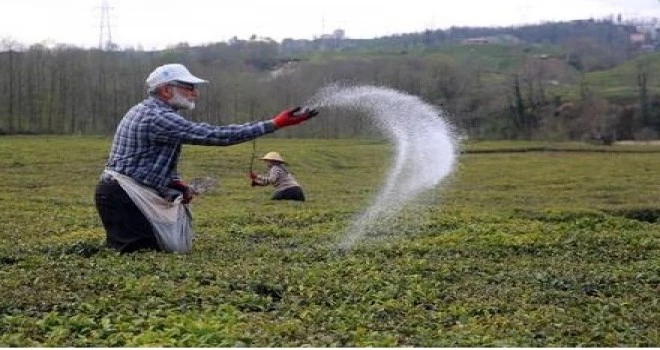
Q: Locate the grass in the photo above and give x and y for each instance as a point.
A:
(621, 82)
(526, 245)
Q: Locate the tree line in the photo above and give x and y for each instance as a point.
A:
(65, 90)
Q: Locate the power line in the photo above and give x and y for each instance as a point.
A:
(105, 34)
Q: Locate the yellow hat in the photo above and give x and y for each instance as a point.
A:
(273, 156)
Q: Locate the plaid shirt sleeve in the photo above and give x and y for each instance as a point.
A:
(170, 127)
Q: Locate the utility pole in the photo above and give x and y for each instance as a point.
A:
(105, 34)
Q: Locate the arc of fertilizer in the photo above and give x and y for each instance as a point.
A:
(426, 147)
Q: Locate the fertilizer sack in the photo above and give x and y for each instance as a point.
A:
(172, 221)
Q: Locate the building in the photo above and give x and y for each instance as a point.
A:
(475, 41)
(637, 39)
(338, 34)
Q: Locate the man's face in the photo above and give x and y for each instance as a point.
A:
(183, 95)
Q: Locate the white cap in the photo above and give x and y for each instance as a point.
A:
(172, 72)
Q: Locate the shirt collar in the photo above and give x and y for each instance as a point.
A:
(158, 102)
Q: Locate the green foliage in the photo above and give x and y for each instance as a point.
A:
(527, 245)
(620, 82)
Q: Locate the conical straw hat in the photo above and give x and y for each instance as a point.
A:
(274, 156)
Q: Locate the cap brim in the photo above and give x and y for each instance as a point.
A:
(191, 79)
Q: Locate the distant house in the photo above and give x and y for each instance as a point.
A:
(475, 41)
(650, 31)
(503, 39)
(637, 38)
(338, 34)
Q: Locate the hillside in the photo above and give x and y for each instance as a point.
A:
(620, 83)
(494, 83)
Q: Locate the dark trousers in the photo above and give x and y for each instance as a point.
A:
(292, 193)
(127, 229)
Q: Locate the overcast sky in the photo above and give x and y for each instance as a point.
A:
(155, 24)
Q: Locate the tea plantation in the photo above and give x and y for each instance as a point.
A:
(528, 244)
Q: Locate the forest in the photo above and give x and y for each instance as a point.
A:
(577, 80)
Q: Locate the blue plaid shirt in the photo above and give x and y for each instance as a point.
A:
(148, 140)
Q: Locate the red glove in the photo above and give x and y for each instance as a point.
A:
(293, 116)
(179, 185)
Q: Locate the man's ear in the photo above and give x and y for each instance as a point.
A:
(165, 92)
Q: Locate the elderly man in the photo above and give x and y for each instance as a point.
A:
(141, 198)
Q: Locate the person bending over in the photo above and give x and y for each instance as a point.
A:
(286, 186)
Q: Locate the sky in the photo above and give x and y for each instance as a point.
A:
(157, 24)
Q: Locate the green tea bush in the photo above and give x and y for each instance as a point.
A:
(553, 246)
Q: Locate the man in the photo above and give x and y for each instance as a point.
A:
(140, 184)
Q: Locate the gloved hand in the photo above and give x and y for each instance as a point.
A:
(181, 186)
(252, 175)
(293, 116)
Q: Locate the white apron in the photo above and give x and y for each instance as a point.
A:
(172, 221)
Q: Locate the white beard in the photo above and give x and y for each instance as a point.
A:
(179, 101)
